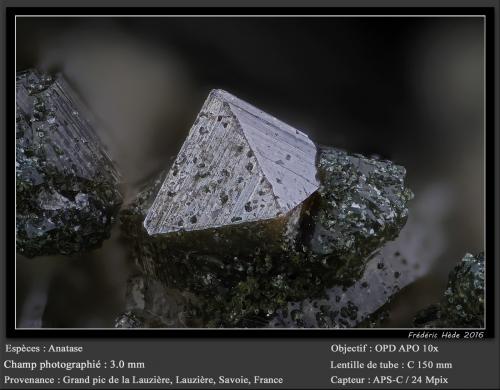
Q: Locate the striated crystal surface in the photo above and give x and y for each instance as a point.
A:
(237, 165)
(329, 212)
(66, 184)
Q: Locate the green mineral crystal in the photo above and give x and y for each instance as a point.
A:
(360, 205)
(66, 185)
(298, 222)
(462, 305)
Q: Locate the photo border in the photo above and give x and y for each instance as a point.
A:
(490, 168)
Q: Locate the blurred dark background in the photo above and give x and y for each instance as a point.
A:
(407, 89)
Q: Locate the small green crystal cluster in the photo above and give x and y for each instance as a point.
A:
(241, 274)
(362, 203)
(462, 305)
(66, 188)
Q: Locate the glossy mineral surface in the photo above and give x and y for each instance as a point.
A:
(66, 185)
(243, 274)
(237, 165)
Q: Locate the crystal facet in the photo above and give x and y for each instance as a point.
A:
(66, 184)
(237, 165)
(314, 225)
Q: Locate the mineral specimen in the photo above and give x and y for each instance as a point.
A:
(66, 184)
(462, 305)
(237, 165)
(250, 216)
(391, 268)
(361, 205)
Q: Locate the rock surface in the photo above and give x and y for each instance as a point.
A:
(66, 185)
(152, 305)
(361, 204)
(462, 305)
